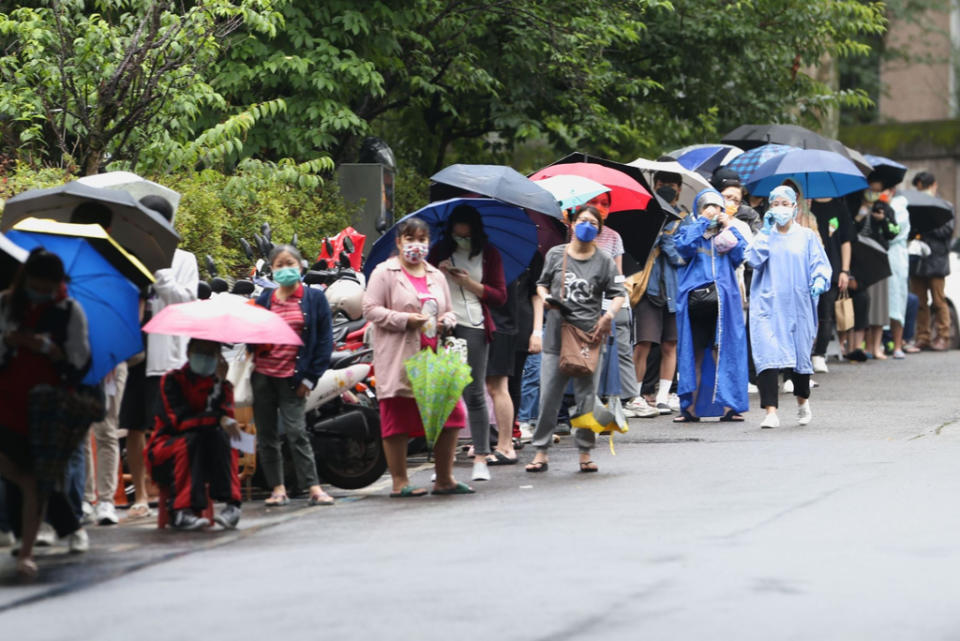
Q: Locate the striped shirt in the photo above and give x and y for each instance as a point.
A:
(280, 361)
(610, 241)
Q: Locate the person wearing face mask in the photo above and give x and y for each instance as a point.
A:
(283, 376)
(928, 276)
(43, 341)
(190, 446)
(791, 271)
(578, 276)
(408, 304)
(877, 220)
(712, 348)
(474, 271)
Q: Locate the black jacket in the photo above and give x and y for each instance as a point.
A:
(937, 264)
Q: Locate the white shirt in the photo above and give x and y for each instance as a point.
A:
(466, 305)
(176, 284)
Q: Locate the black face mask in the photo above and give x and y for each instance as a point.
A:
(668, 193)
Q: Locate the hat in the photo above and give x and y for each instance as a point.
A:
(725, 177)
(710, 198)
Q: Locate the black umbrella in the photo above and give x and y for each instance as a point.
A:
(12, 257)
(926, 212)
(870, 263)
(495, 181)
(750, 136)
(639, 229)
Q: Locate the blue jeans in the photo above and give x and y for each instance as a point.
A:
(530, 390)
(910, 319)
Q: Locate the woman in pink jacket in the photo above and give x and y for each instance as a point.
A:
(407, 300)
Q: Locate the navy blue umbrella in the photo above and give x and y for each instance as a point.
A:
(499, 182)
(109, 300)
(819, 173)
(508, 228)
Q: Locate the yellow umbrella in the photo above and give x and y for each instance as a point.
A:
(125, 262)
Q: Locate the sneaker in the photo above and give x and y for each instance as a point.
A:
(674, 402)
(106, 514)
(526, 431)
(641, 409)
(480, 472)
(787, 387)
(78, 542)
(88, 513)
(898, 354)
(7, 539)
(664, 408)
(769, 421)
(804, 414)
(228, 517)
(820, 365)
(814, 384)
(46, 535)
(188, 521)
(752, 389)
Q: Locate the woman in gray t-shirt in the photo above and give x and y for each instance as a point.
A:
(590, 276)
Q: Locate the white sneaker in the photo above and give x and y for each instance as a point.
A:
(814, 384)
(641, 409)
(78, 542)
(46, 535)
(106, 514)
(480, 472)
(88, 512)
(804, 414)
(674, 402)
(7, 539)
(787, 387)
(526, 432)
(770, 420)
(820, 365)
(752, 389)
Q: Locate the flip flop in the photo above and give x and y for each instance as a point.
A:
(537, 466)
(321, 499)
(731, 417)
(499, 458)
(277, 500)
(459, 488)
(588, 466)
(686, 417)
(408, 491)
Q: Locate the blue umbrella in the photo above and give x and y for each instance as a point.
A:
(747, 162)
(704, 160)
(110, 301)
(509, 229)
(819, 173)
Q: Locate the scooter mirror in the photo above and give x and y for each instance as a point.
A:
(211, 266)
(293, 241)
(320, 265)
(348, 245)
(203, 290)
(247, 249)
(218, 285)
(328, 246)
(345, 260)
(266, 231)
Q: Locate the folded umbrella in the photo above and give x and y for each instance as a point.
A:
(12, 256)
(437, 381)
(570, 190)
(819, 173)
(926, 212)
(508, 228)
(500, 182)
(126, 264)
(869, 261)
(746, 163)
(109, 300)
(141, 231)
(223, 319)
(888, 172)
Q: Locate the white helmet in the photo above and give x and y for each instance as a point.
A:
(346, 295)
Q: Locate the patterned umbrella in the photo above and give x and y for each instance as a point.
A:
(747, 162)
(437, 381)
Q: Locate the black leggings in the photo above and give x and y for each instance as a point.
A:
(769, 382)
(825, 314)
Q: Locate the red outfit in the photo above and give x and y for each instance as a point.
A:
(188, 449)
(280, 361)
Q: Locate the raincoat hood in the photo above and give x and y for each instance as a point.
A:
(707, 197)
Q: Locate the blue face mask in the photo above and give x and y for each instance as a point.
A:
(203, 364)
(287, 276)
(38, 297)
(584, 231)
(782, 215)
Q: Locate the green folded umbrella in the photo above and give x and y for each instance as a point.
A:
(437, 381)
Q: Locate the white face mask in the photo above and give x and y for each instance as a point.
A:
(783, 215)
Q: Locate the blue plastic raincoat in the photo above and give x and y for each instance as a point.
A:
(783, 313)
(723, 383)
(899, 262)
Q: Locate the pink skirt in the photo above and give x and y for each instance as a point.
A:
(400, 415)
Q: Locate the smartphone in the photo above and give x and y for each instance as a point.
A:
(558, 305)
(457, 271)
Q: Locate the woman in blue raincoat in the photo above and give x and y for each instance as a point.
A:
(712, 347)
(790, 271)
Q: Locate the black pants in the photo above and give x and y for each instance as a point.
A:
(861, 309)
(59, 512)
(825, 314)
(769, 382)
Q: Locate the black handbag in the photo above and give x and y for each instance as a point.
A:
(703, 299)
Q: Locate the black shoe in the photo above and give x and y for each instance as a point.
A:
(857, 356)
(228, 517)
(187, 520)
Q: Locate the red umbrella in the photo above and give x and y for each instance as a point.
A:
(223, 320)
(626, 194)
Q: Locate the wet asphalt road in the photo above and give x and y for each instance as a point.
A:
(845, 529)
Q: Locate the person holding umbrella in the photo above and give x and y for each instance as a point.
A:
(928, 274)
(876, 220)
(44, 343)
(407, 302)
(474, 271)
(791, 271)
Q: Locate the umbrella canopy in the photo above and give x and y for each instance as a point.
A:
(625, 192)
(110, 301)
(509, 229)
(749, 136)
(100, 240)
(870, 263)
(141, 231)
(437, 381)
(860, 160)
(747, 163)
(730, 151)
(500, 182)
(223, 319)
(135, 185)
(926, 212)
(550, 231)
(888, 172)
(693, 183)
(572, 191)
(820, 174)
(705, 160)
(12, 256)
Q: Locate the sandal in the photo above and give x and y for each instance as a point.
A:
(538, 466)
(499, 458)
(321, 499)
(731, 417)
(408, 491)
(26, 570)
(459, 488)
(277, 500)
(686, 417)
(139, 511)
(588, 466)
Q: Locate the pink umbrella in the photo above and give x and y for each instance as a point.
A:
(226, 321)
